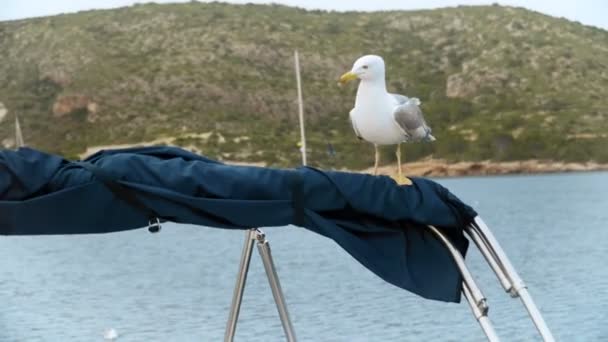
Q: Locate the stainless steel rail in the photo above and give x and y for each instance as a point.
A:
(471, 291)
(251, 236)
(498, 261)
(478, 231)
(507, 276)
(275, 286)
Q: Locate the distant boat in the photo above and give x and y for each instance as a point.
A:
(18, 135)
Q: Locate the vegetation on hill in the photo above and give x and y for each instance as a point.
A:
(495, 82)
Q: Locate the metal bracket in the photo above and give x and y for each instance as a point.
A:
(154, 225)
(252, 236)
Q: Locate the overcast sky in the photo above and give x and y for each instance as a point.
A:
(588, 12)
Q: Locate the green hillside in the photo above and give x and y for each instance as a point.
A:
(495, 82)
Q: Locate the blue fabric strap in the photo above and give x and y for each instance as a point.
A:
(297, 197)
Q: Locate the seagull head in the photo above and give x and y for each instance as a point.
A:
(366, 68)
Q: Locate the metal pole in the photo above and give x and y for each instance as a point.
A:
(18, 135)
(480, 300)
(471, 291)
(518, 286)
(490, 258)
(239, 288)
(537, 318)
(480, 316)
(300, 108)
(275, 285)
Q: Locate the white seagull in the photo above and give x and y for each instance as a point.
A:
(380, 117)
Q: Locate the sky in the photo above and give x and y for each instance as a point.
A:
(588, 12)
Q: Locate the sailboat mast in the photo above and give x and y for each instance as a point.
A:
(18, 135)
(300, 109)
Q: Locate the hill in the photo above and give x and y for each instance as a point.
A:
(495, 82)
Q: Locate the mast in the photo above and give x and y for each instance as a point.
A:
(300, 109)
(18, 135)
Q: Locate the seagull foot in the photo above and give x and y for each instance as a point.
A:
(402, 180)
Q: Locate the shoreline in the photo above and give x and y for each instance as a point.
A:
(441, 168)
(428, 167)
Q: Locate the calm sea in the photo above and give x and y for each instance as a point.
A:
(177, 285)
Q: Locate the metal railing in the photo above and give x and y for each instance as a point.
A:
(253, 235)
(505, 272)
(478, 232)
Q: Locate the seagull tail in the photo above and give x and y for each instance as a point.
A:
(430, 137)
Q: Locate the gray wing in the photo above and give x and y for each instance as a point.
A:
(411, 120)
(352, 122)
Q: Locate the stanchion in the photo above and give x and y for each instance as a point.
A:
(505, 272)
(508, 277)
(471, 291)
(251, 236)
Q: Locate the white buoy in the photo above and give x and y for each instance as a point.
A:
(110, 334)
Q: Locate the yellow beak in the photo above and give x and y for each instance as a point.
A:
(347, 77)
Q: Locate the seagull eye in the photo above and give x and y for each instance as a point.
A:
(365, 67)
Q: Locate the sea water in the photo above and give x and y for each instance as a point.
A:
(177, 285)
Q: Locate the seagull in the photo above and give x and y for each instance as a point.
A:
(380, 117)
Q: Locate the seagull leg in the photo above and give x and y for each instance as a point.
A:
(376, 159)
(399, 171)
(400, 178)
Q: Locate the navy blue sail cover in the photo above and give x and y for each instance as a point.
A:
(379, 223)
